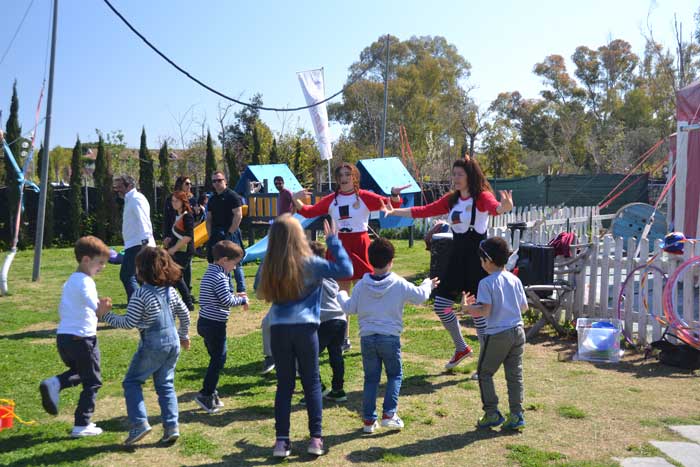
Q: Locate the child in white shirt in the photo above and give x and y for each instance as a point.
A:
(76, 336)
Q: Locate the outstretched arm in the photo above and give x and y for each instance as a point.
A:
(318, 209)
(390, 210)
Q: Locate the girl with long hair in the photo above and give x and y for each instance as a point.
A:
(182, 246)
(152, 310)
(290, 278)
(468, 207)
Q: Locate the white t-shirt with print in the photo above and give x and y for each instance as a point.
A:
(350, 213)
(460, 217)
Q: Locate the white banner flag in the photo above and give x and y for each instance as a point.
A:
(312, 84)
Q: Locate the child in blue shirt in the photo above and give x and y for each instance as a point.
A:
(500, 299)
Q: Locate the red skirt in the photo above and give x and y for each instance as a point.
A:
(356, 244)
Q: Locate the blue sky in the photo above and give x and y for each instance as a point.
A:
(107, 78)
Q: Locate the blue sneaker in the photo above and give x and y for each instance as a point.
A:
(515, 422)
(50, 389)
(490, 421)
(137, 434)
(170, 435)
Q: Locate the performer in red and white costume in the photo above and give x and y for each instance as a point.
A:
(349, 207)
(468, 221)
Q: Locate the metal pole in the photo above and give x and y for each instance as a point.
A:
(39, 238)
(386, 97)
(330, 183)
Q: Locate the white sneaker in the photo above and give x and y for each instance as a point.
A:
(88, 430)
(369, 426)
(394, 423)
(283, 448)
(475, 377)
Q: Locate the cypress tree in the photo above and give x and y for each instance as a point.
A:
(48, 220)
(114, 223)
(255, 157)
(13, 133)
(37, 162)
(76, 199)
(101, 214)
(164, 162)
(146, 180)
(233, 173)
(297, 160)
(274, 157)
(210, 164)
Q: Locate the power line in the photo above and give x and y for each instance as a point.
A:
(12, 41)
(221, 94)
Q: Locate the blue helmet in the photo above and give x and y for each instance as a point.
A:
(673, 243)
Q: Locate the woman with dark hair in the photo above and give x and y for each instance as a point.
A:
(184, 184)
(182, 248)
(468, 207)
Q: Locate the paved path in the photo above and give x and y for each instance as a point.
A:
(686, 454)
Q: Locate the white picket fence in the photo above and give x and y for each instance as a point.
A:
(544, 223)
(603, 266)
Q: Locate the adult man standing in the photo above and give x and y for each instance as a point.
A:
(136, 229)
(223, 219)
(285, 203)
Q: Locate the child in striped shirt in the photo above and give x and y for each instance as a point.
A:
(215, 301)
(152, 310)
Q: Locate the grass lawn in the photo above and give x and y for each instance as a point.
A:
(578, 414)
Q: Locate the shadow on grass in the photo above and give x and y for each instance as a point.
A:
(27, 441)
(252, 454)
(42, 334)
(52, 449)
(75, 454)
(640, 367)
(633, 363)
(226, 417)
(425, 446)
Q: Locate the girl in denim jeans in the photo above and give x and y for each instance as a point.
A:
(290, 278)
(152, 309)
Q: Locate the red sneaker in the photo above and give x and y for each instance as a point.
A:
(458, 357)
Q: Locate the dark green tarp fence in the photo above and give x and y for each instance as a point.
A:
(574, 190)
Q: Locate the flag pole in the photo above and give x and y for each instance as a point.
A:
(328, 161)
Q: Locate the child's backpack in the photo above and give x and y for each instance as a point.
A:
(680, 356)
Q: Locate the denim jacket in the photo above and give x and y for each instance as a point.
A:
(308, 308)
